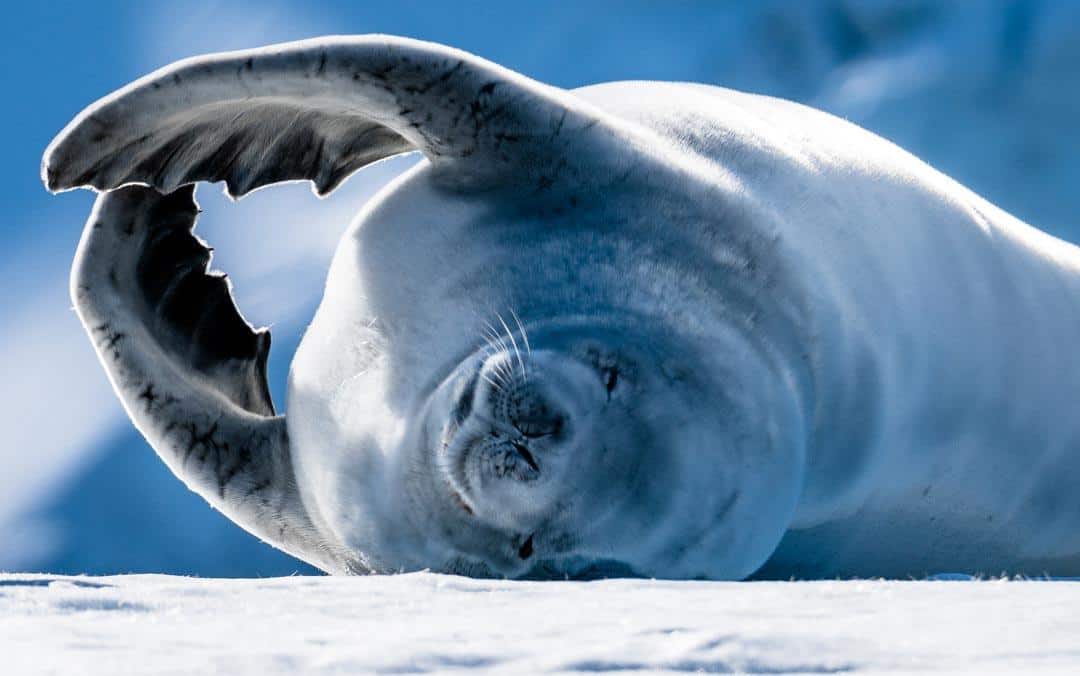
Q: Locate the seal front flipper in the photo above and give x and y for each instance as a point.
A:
(189, 370)
(320, 109)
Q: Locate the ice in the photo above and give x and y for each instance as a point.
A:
(423, 622)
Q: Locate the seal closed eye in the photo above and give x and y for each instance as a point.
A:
(727, 351)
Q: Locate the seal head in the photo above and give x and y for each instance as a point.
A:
(594, 455)
(549, 448)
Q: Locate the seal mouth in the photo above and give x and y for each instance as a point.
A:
(509, 431)
(498, 452)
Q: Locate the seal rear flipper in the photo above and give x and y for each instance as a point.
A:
(188, 368)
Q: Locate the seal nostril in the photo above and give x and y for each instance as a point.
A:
(611, 379)
(526, 549)
(524, 453)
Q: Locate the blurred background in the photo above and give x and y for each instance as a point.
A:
(988, 92)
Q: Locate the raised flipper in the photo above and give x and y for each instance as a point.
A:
(189, 370)
(320, 109)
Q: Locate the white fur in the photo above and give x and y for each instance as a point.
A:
(939, 432)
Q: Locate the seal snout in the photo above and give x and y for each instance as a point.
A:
(513, 432)
(526, 423)
(527, 409)
(517, 426)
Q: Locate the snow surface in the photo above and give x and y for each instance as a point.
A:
(423, 622)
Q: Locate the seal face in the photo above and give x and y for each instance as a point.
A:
(635, 329)
(566, 462)
(556, 400)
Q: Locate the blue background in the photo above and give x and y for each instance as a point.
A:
(988, 92)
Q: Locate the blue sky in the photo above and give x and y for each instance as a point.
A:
(984, 91)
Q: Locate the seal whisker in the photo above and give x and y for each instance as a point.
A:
(493, 377)
(504, 372)
(517, 352)
(524, 333)
(495, 385)
(501, 370)
(489, 347)
(492, 342)
(500, 375)
(496, 336)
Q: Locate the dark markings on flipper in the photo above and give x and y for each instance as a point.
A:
(190, 370)
(318, 110)
(190, 312)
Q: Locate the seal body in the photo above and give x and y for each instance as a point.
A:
(419, 281)
(647, 329)
(943, 436)
(929, 328)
